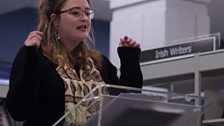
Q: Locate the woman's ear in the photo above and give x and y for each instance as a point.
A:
(54, 19)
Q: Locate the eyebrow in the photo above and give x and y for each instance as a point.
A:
(87, 8)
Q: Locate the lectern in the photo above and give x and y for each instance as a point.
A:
(132, 107)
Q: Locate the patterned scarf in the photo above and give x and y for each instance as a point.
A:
(76, 87)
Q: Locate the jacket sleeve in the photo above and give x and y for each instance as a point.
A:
(130, 72)
(22, 96)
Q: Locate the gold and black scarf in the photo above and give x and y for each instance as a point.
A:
(76, 87)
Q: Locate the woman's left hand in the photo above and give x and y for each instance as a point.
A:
(128, 42)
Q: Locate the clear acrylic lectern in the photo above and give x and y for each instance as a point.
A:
(126, 106)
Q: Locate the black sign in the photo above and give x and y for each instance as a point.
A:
(178, 50)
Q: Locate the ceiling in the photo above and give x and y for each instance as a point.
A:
(101, 7)
(103, 11)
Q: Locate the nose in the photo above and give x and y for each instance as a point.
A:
(83, 16)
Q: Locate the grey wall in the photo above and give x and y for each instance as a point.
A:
(15, 26)
(101, 33)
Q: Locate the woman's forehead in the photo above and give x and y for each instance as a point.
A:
(76, 3)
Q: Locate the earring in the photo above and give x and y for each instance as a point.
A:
(58, 37)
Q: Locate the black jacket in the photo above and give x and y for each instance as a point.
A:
(36, 90)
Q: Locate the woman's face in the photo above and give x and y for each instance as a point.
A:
(74, 23)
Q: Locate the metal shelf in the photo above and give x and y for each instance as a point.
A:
(3, 88)
(183, 66)
(213, 122)
(176, 72)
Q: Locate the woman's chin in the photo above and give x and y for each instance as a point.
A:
(80, 37)
(84, 37)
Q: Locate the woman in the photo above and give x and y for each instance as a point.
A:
(56, 68)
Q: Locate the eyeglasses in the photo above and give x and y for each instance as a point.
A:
(76, 12)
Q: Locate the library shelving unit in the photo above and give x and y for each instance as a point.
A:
(3, 88)
(194, 67)
(193, 73)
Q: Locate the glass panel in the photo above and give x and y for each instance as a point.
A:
(125, 106)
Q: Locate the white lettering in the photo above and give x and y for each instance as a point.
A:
(161, 53)
(180, 50)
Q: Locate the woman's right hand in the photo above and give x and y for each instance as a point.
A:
(34, 39)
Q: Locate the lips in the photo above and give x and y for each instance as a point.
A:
(83, 27)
